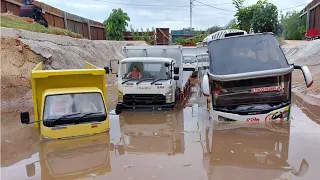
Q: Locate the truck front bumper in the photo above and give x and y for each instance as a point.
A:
(145, 101)
(152, 107)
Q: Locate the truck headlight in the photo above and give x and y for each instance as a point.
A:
(169, 97)
(120, 96)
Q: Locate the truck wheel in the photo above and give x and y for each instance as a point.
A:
(118, 108)
(176, 98)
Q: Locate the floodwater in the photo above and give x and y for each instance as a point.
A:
(180, 144)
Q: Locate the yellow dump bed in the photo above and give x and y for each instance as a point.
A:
(43, 80)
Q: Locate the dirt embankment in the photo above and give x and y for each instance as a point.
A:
(305, 53)
(21, 50)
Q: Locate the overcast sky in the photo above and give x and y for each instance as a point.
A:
(173, 14)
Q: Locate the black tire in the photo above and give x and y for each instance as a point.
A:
(43, 21)
(118, 108)
(176, 98)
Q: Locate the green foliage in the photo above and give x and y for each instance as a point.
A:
(116, 24)
(232, 25)
(199, 37)
(293, 26)
(143, 35)
(265, 17)
(261, 17)
(214, 29)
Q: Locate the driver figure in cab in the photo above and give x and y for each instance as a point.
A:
(134, 73)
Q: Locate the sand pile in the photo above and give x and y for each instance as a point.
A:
(305, 53)
(21, 50)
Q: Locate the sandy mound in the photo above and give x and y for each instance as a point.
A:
(305, 53)
(21, 50)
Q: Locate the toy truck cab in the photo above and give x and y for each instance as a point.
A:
(68, 103)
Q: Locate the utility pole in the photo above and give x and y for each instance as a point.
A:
(191, 1)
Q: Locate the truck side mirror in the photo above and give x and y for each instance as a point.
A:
(107, 69)
(306, 73)
(176, 70)
(24, 117)
(205, 85)
(31, 170)
(176, 78)
(166, 64)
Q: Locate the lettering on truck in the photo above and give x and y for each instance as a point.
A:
(253, 120)
(264, 89)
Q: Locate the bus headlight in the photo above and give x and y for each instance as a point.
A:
(120, 96)
(169, 97)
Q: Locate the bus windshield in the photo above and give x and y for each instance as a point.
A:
(251, 94)
(244, 54)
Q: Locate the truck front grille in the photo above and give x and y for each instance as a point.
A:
(144, 99)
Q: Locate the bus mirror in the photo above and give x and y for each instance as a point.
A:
(205, 86)
(176, 70)
(24, 117)
(107, 69)
(306, 73)
(166, 64)
(31, 170)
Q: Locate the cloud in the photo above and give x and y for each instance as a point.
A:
(172, 14)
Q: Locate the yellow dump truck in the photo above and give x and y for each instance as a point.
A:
(68, 103)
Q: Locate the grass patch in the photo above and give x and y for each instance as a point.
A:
(12, 21)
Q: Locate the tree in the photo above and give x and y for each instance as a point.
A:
(293, 27)
(143, 35)
(115, 25)
(232, 25)
(244, 15)
(214, 29)
(265, 17)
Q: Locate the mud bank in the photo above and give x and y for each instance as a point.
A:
(305, 53)
(21, 50)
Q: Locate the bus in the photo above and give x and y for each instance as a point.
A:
(249, 79)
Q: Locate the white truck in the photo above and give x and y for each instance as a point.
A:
(190, 62)
(152, 77)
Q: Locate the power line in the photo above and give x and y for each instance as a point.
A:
(148, 5)
(293, 6)
(214, 6)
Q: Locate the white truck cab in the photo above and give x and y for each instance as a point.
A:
(151, 77)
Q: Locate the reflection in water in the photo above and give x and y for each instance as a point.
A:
(150, 132)
(73, 158)
(243, 152)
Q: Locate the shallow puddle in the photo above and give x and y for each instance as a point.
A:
(180, 144)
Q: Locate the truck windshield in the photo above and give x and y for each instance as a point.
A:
(73, 106)
(251, 94)
(245, 54)
(145, 70)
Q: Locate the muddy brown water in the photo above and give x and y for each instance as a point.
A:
(179, 144)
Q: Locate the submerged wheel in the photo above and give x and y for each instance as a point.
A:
(176, 97)
(118, 108)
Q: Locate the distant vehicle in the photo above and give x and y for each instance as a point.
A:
(68, 103)
(312, 34)
(27, 9)
(190, 62)
(249, 79)
(152, 77)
